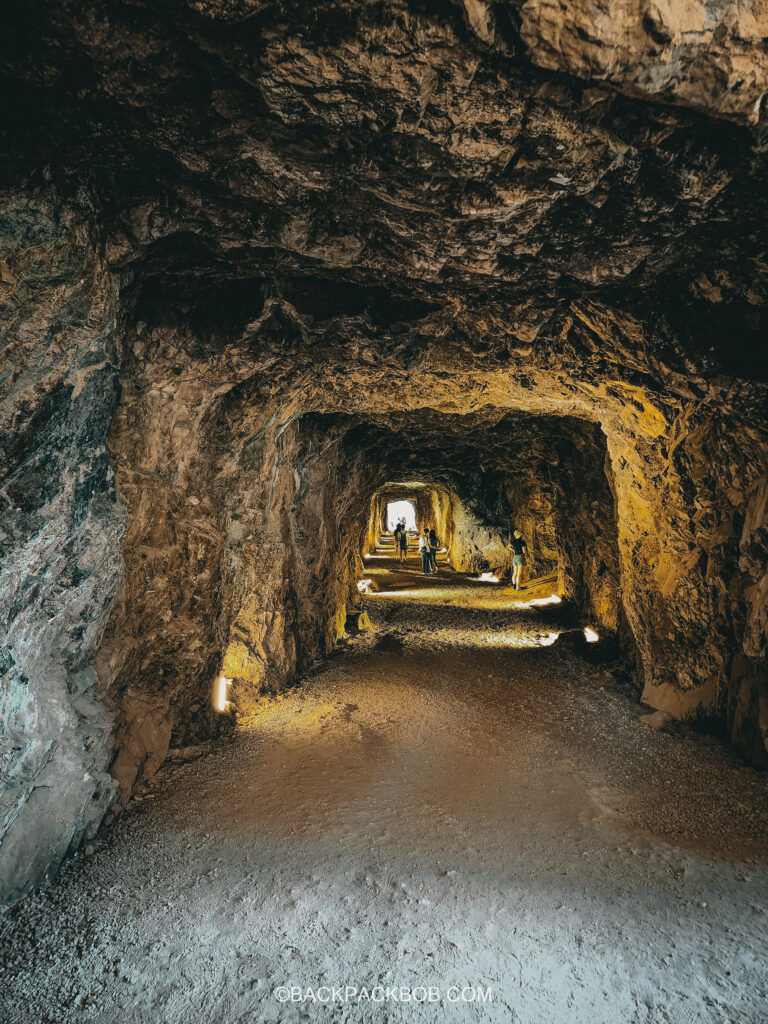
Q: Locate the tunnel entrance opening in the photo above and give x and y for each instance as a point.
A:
(397, 510)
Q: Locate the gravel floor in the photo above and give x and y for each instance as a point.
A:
(462, 812)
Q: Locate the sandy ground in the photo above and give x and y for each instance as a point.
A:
(446, 804)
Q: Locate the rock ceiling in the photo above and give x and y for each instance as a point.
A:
(384, 172)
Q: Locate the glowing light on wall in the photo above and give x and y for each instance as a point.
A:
(549, 639)
(591, 636)
(364, 586)
(220, 701)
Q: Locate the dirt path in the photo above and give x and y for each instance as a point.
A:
(456, 802)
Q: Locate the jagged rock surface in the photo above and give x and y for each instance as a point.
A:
(61, 534)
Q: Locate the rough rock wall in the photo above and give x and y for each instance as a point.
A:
(61, 530)
(586, 528)
(439, 516)
(705, 55)
(241, 556)
(164, 635)
(717, 458)
(533, 500)
(480, 541)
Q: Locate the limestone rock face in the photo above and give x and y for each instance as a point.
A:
(61, 535)
(710, 56)
(258, 261)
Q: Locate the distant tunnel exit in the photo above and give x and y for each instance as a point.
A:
(397, 510)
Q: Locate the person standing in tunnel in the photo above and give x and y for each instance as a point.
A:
(519, 553)
(426, 561)
(398, 530)
(434, 544)
(403, 542)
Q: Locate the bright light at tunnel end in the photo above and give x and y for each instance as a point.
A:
(590, 635)
(397, 510)
(219, 697)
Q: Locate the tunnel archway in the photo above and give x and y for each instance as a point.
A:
(288, 501)
(312, 478)
(430, 501)
(474, 476)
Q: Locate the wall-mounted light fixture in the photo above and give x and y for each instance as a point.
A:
(219, 696)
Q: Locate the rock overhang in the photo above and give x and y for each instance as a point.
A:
(280, 150)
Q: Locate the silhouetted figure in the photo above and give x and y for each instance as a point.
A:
(398, 531)
(519, 553)
(434, 544)
(425, 553)
(403, 543)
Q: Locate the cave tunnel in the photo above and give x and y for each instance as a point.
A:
(266, 275)
(474, 478)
